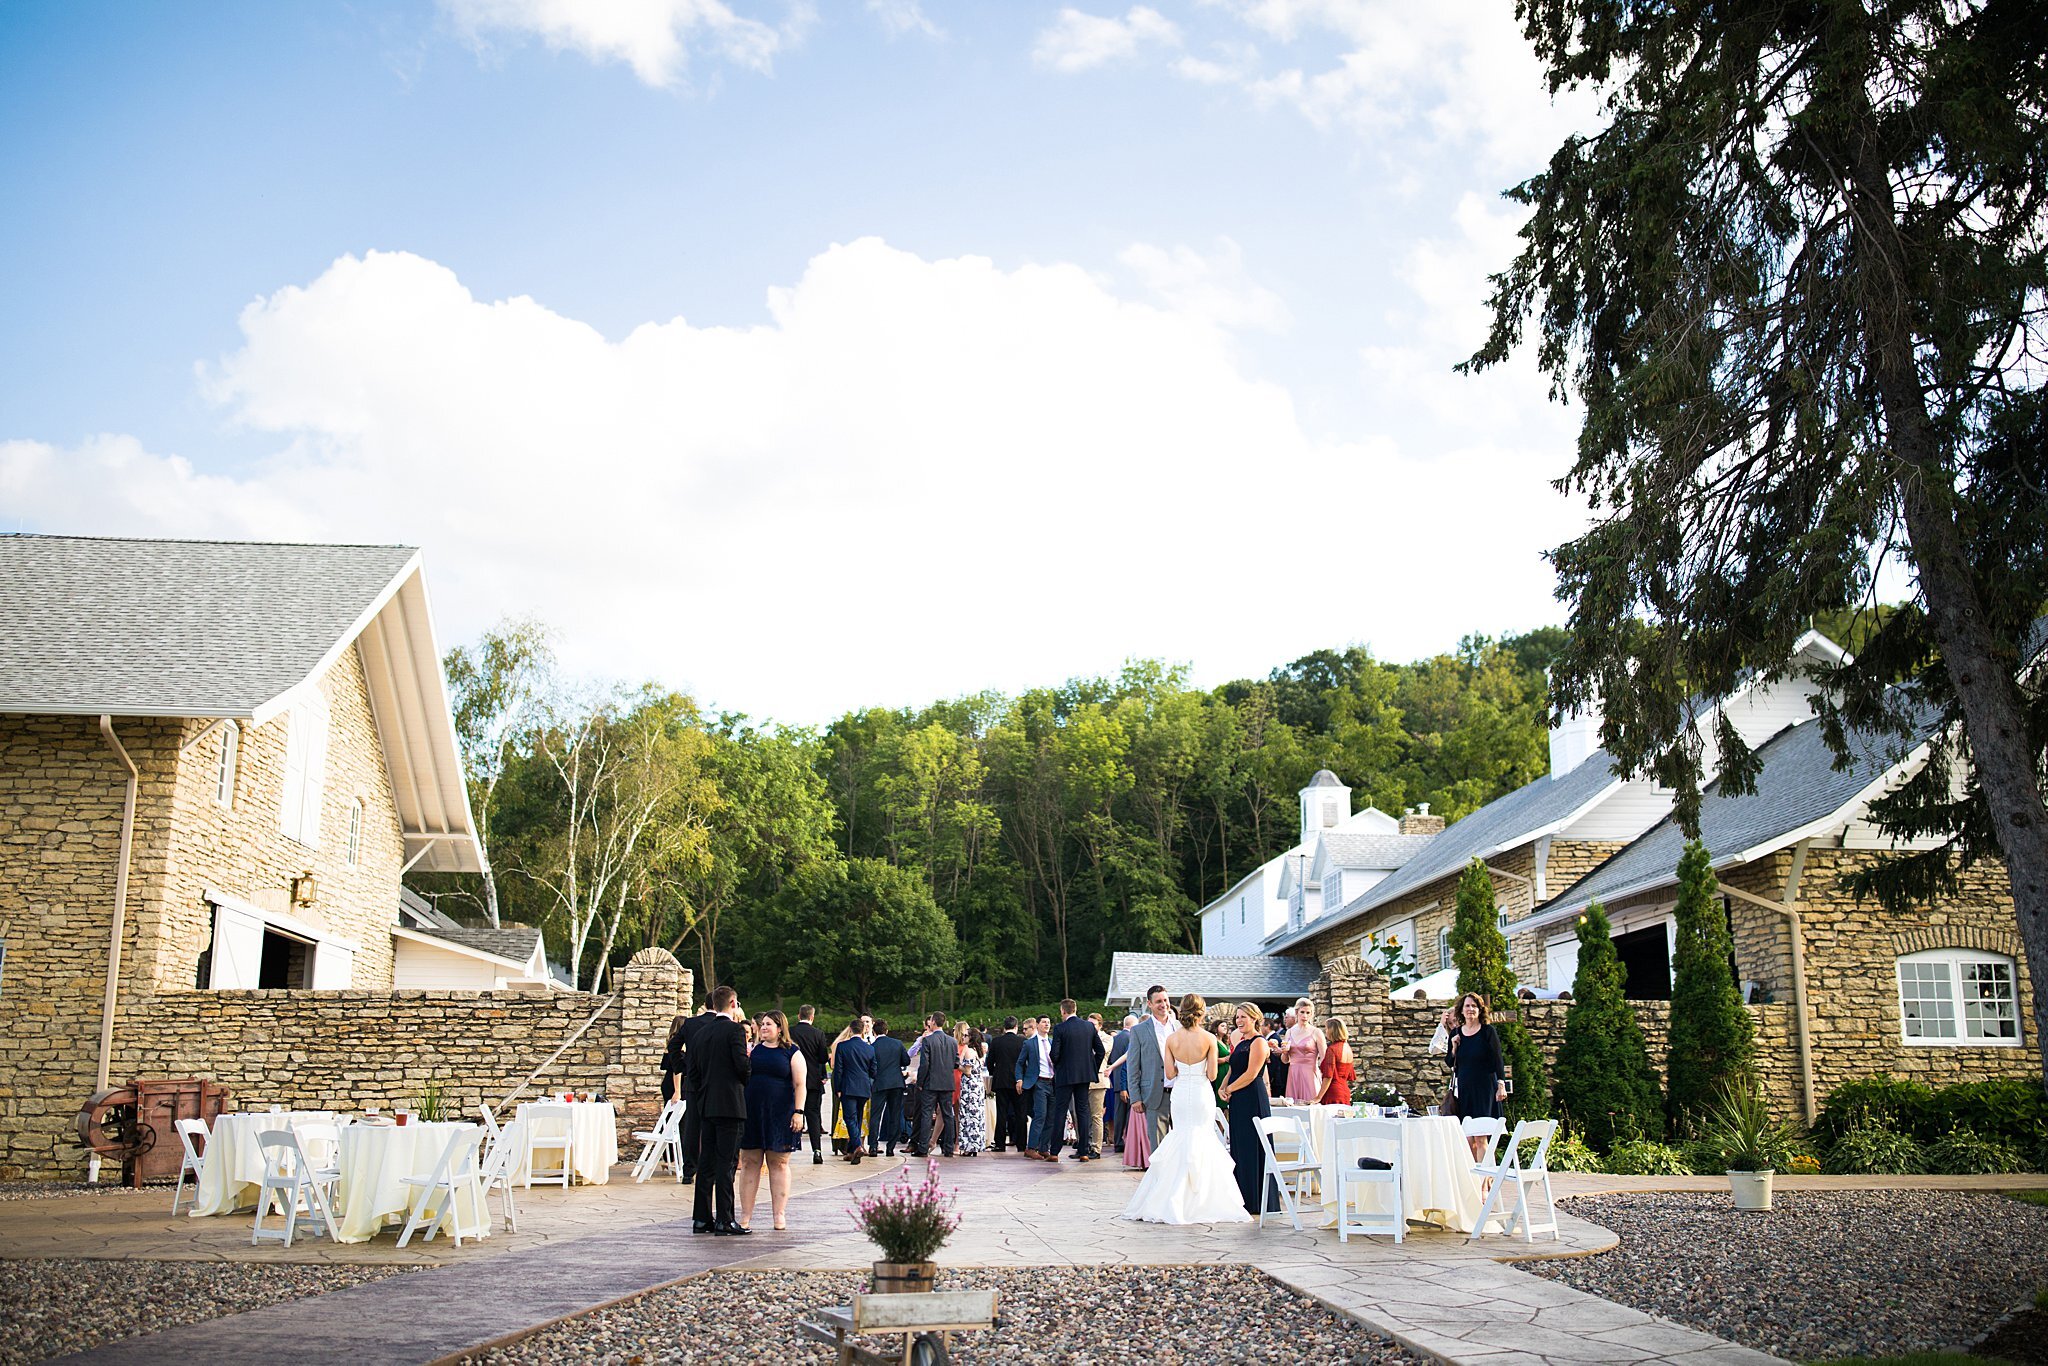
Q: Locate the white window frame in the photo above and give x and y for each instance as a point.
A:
(355, 831)
(1954, 984)
(1443, 947)
(224, 772)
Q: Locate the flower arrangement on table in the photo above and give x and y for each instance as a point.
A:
(908, 1221)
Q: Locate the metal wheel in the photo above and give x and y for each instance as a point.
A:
(928, 1350)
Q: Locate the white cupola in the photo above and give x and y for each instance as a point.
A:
(1325, 803)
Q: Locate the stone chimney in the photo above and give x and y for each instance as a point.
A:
(1416, 820)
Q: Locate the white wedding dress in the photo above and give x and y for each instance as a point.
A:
(1192, 1179)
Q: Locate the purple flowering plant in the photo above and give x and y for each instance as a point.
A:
(907, 1220)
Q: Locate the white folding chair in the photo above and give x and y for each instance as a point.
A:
(545, 1115)
(491, 1130)
(1292, 1174)
(662, 1143)
(500, 1160)
(292, 1180)
(456, 1171)
(1511, 1170)
(1344, 1133)
(192, 1136)
(320, 1140)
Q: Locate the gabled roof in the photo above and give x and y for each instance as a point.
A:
(1343, 849)
(1533, 809)
(235, 630)
(513, 943)
(419, 913)
(1218, 979)
(1799, 793)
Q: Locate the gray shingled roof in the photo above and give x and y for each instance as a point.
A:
(422, 911)
(1218, 979)
(1325, 778)
(1349, 849)
(1501, 824)
(512, 942)
(1797, 786)
(175, 628)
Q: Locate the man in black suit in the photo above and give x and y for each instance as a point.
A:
(718, 1075)
(885, 1112)
(816, 1049)
(693, 1112)
(938, 1066)
(1002, 1070)
(1077, 1055)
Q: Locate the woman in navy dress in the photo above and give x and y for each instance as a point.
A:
(1244, 1091)
(775, 1123)
(1479, 1084)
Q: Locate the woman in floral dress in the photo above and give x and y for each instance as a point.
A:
(973, 1096)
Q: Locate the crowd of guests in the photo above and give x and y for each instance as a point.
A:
(757, 1087)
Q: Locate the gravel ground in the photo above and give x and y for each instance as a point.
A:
(1823, 1274)
(63, 1305)
(1072, 1316)
(45, 1190)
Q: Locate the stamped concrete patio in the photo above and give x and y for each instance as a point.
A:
(1436, 1293)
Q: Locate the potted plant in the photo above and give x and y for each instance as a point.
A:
(1739, 1131)
(908, 1222)
(432, 1106)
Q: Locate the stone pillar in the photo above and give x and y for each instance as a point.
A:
(653, 988)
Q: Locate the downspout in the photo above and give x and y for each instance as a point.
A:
(1788, 907)
(120, 921)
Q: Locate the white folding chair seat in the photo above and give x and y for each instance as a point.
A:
(1351, 1176)
(1511, 1172)
(1293, 1174)
(501, 1159)
(192, 1136)
(456, 1171)
(662, 1143)
(291, 1180)
(546, 1115)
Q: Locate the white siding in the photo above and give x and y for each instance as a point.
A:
(422, 967)
(1623, 814)
(1762, 712)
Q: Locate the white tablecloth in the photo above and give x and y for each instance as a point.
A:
(376, 1159)
(1437, 1184)
(596, 1131)
(234, 1159)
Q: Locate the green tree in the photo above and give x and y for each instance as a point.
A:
(1480, 952)
(1712, 1041)
(1799, 282)
(856, 931)
(1603, 1081)
(496, 689)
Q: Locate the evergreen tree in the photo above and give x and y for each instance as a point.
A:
(1712, 1041)
(1481, 954)
(1603, 1081)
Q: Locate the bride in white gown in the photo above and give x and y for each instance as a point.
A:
(1192, 1179)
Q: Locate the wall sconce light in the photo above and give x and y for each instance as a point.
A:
(304, 889)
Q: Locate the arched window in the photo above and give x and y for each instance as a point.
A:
(1958, 996)
(355, 831)
(1443, 948)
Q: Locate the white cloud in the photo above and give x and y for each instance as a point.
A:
(654, 37)
(1077, 41)
(1214, 287)
(917, 478)
(904, 16)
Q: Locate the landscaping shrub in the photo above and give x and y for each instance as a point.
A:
(1568, 1153)
(2010, 1109)
(1641, 1157)
(1603, 1079)
(1961, 1152)
(1712, 1039)
(1875, 1152)
(1879, 1102)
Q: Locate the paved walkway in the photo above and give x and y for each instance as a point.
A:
(1456, 1301)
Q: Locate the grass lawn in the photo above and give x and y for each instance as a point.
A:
(1920, 1359)
(2030, 1197)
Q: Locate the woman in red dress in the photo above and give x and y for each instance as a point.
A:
(1337, 1071)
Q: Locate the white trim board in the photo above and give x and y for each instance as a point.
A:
(277, 920)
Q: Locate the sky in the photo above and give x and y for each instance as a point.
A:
(803, 356)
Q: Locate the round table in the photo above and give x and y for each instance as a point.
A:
(594, 1126)
(234, 1159)
(376, 1159)
(1437, 1183)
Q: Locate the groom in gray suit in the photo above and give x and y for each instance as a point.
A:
(1145, 1066)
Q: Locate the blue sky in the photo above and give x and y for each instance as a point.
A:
(969, 345)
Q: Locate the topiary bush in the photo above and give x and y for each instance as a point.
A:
(1961, 1152)
(1712, 1040)
(1641, 1157)
(1875, 1152)
(1603, 1079)
(1879, 1102)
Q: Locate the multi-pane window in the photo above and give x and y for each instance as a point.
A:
(224, 777)
(1958, 996)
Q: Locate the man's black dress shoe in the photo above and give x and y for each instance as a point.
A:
(817, 1159)
(734, 1229)
(700, 1226)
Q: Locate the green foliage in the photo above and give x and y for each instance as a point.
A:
(2030, 1198)
(1959, 1152)
(1642, 1157)
(2011, 1110)
(1391, 960)
(1712, 1044)
(1569, 1153)
(855, 930)
(1875, 1152)
(1603, 1080)
(1481, 954)
(1879, 1102)
(1738, 1133)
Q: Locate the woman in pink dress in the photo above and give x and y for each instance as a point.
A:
(1304, 1047)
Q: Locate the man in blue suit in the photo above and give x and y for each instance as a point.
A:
(1034, 1066)
(892, 1059)
(853, 1077)
(1077, 1054)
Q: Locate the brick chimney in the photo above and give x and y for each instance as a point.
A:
(1416, 820)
